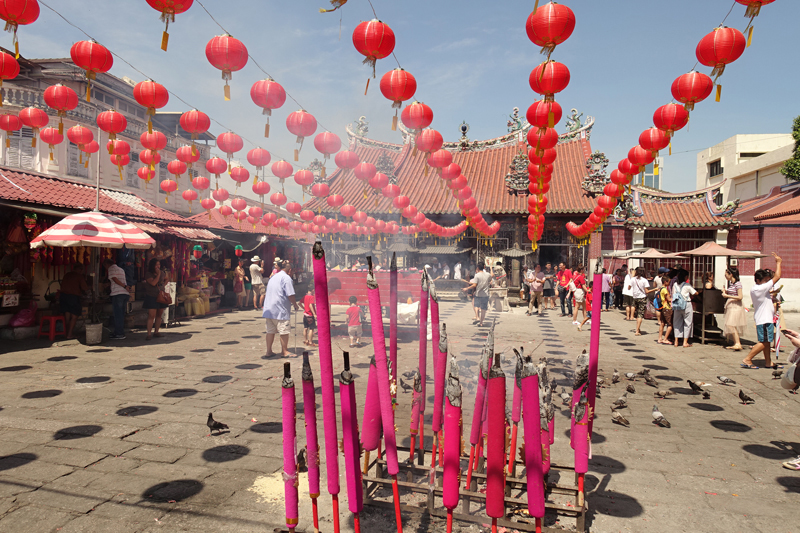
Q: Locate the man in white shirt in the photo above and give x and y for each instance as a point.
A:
(535, 280)
(763, 314)
(120, 294)
(280, 293)
(481, 283)
(257, 280)
(627, 297)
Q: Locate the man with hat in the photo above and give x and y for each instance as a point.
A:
(257, 280)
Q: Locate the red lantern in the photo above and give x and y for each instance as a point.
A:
(614, 190)
(52, 137)
(282, 170)
(619, 178)
(365, 171)
(398, 86)
(153, 140)
(62, 99)
(293, 207)
(359, 217)
(301, 124)
(240, 175)
(195, 122)
(225, 210)
(152, 96)
(429, 141)
(416, 116)
(327, 143)
(9, 123)
(335, 200)
(304, 178)
(118, 147)
(216, 166)
(401, 202)
(451, 172)
(627, 166)
(168, 9)
(79, 135)
(220, 195)
(306, 214)
(239, 204)
(670, 118)
(719, 48)
(640, 156)
(320, 220)
(34, 118)
(440, 159)
(346, 159)
(201, 183)
(653, 139)
(93, 58)
(374, 40)
(150, 158)
(259, 158)
(282, 223)
(549, 78)
(188, 155)
(189, 195)
(347, 210)
(542, 138)
(547, 156)
(230, 143)
(208, 204)
(268, 94)
(227, 54)
(544, 114)
(549, 26)
(176, 168)
(146, 174)
(9, 68)
(691, 88)
(607, 202)
(255, 212)
(269, 219)
(112, 123)
(16, 12)
(390, 191)
(320, 190)
(119, 161)
(278, 198)
(261, 188)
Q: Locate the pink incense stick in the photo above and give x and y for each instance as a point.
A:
(312, 444)
(326, 376)
(516, 411)
(546, 413)
(423, 352)
(532, 423)
(393, 319)
(452, 446)
(594, 347)
(439, 361)
(581, 414)
(581, 377)
(496, 443)
(352, 451)
(289, 447)
(384, 391)
(371, 432)
(417, 398)
(480, 402)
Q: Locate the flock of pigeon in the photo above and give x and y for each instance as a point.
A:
(658, 417)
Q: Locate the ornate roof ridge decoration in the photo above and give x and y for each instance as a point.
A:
(596, 178)
(628, 208)
(385, 165)
(517, 179)
(357, 134)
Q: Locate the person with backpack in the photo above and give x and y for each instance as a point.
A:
(640, 288)
(682, 310)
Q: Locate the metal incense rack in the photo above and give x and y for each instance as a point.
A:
(563, 500)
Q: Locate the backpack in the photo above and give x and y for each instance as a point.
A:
(657, 301)
(678, 301)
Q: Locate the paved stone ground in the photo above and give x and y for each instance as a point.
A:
(113, 438)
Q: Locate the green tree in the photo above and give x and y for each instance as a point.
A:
(791, 169)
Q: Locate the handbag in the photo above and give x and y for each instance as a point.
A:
(164, 298)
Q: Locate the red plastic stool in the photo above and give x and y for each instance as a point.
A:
(51, 332)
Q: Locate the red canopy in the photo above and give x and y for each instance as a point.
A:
(93, 229)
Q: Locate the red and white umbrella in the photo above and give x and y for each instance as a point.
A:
(93, 229)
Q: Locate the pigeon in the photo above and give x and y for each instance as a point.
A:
(745, 398)
(630, 388)
(410, 374)
(653, 382)
(777, 374)
(694, 386)
(621, 403)
(706, 395)
(302, 457)
(726, 381)
(659, 418)
(600, 381)
(213, 425)
(405, 386)
(580, 407)
(619, 419)
(597, 393)
(643, 372)
(663, 393)
(615, 377)
(565, 396)
(630, 375)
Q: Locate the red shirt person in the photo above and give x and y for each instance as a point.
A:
(563, 277)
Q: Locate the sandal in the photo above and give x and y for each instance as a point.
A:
(751, 367)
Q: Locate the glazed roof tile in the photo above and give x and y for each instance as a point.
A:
(789, 206)
(666, 210)
(485, 171)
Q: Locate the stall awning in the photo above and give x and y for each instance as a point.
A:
(358, 250)
(401, 247)
(443, 250)
(188, 233)
(516, 251)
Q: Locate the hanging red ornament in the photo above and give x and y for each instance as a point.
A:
(301, 124)
(62, 99)
(201, 183)
(189, 195)
(398, 86)
(365, 171)
(79, 135)
(239, 204)
(614, 190)
(168, 9)
(304, 178)
(151, 96)
(428, 141)
(255, 212)
(550, 25)
(195, 123)
(401, 202)
(176, 168)
(34, 118)
(416, 116)
(374, 40)
(320, 190)
(216, 166)
(544, 114)
(347, 210)
(146, 174)
(227, 54)
(226, 211)
(16, 12)
(259, 158)
(306, 214)
(549, 78)
(93, 58)
(346, 159)
(52, 137)
(278, 198)
(187, 155)
(118, 147)
(112, 123)
(120, 161)
(618, 177)
(379, 181)
(220, 195)
(153, 140)
(10, 123)
(335, 200)
(626, 166)
(293, 207)
(268, 94)
(9, 69)
(208, 204)
(240, 175)
(440, 159)
(261, 188)
(640, 157)
(542, 138)
(327, 143)
(720, 48)
(150, 158)
(269, 219)
(691, 88)
(670, 118)
(230, 143)
(390, 191)
(282, 170)
(451, 172)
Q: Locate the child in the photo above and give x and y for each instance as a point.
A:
(588, 297)
(354, 322)
(665, 315)
(309, 318)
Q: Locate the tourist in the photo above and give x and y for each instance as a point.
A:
(627, 296)
(73, 287)
(481, 283)
(280, 293)
(457, 271)
(354, 314)
(578, 288)
(682, 309)
(588, 299)
(640, 288)
(257, 280)
(549, 292)
(606, 290)
(617, 281)
(665, 313)
(735, 321)
(155, 281)
(309, 317)
(239, 290)
(446, 271)
(564, 278)
(708, 280)
(536, 282)
(763, 314)
(120, 294)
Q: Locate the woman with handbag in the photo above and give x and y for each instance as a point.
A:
(735, 321)
(155, 299)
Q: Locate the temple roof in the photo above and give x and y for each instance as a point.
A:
(780, 206)
(659, 209)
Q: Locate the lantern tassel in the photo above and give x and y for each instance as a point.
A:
(366, 88)
(719, 93)
(266, 130)
(296, 154)
(536, 6)
(752, 11)
(749, 37)
(165, 39)
(119, 167)
(670, 148)
(227, 92)
(394, 122)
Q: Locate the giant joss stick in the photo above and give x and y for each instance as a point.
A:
(496, 444)
(423, 357)
(384, 390)
(417, 398)
(393, 320)
(594, 347)
(546, 413)
(312, 443)
(516, 411)
(452, 443)
(534, 426)
(289, 447)
(371, 432)
(439, 368)
(350, 444)
(579, 433)
(326, 373)
(480, 401)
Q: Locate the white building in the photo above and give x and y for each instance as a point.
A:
(745, 166)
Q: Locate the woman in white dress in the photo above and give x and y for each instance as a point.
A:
(735, 321)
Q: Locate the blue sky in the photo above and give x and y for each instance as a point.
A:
(471, 61)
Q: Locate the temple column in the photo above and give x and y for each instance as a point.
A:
(720, 263)
(638, 242)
